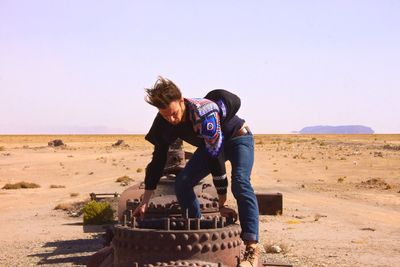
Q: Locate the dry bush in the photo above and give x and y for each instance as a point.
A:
(57, 186)
(2, 148)
(74, 194)
(389, 147)
(74, 209)
(20, 185)
(124, 179)
(138, 170)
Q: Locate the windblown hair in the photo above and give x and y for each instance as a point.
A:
(163, 93)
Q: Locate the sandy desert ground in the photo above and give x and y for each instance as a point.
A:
(341, 196)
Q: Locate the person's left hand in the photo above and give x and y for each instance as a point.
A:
(228, 213)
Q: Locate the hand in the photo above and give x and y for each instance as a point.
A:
(140, 210)
(228, 213)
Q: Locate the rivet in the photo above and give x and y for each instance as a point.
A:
(215, 236)
(196, 237)
(215, 247)
(178, 248)
(223, 246)
(230, 233)
(206, 247)
(172, 237)
(197, 247)
(185, 237)
(189, 248)
(223, 235)
(205, 237)
(230, 244)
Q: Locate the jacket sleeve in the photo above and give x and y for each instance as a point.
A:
(160, 136)
(154, 169)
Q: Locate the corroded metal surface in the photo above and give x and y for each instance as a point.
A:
(181, 239)
(269, 203)
(166, 236)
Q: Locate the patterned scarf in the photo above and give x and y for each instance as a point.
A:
(204, 114)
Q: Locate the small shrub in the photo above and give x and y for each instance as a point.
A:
(341, 179)
(97, 213)
(20, 185)
(2, 148)
(57, 186)
(124, 179)
(138, 170)
(74, 194)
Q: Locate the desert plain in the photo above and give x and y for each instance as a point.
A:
(341, 196)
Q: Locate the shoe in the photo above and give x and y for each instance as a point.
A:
(250, 257)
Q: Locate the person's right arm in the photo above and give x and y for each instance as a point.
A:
(154, 171)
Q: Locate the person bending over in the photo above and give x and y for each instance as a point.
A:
(210, 124)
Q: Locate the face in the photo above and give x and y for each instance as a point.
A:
(174, 113)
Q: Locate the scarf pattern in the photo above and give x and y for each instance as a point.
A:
(205, 117)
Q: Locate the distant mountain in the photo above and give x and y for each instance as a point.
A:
(345, 129)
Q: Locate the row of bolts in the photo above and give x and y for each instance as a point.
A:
(187, 221)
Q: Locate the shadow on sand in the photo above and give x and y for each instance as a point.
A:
(74, 252)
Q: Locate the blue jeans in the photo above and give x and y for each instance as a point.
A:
(240, 152)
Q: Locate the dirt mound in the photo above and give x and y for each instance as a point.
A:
(55, 143)
(377, 183)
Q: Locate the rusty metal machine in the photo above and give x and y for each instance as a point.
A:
(166, 236)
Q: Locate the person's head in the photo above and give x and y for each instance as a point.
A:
(167, 97)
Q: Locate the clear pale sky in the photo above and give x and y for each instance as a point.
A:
(82, 66)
